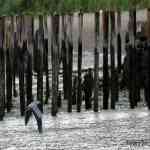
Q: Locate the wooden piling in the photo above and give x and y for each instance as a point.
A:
(9, 62)
(70, 61)
(148, 24)
(132, 61)
(96, 62)
(22, 82)
(21, 70)
(114, 78)
(55, 63)
(79, 96)
(2, 70)
(46, 71)
(46, 60)
(64, 55)
(40, 50)
(14, 58)
(119, 43)
(105, 60)
(29, 35)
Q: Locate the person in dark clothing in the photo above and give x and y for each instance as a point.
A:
(59, 100)
(138, 54)
(125, 73)
(88, 88)
(146, 71)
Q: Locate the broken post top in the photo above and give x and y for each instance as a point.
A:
(32, 7)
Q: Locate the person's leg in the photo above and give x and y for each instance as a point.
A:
(147, 95)
(86, 100)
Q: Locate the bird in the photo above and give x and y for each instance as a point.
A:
(34, 108)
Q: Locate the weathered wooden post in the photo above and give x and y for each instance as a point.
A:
(79, 96)
(19, 26)
(119, 43)
(96, 61)
(148, 24)
(29, 38)
(14, 57)
(9, 62)
(70, 61)
(46, 70)
(2, 70)
(55, 63)
(40, 43)
(46, 54)
(64, 56)
(132, 61)
(105, 60)
(114, 78)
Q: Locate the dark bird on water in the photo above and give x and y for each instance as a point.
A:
(35, 109)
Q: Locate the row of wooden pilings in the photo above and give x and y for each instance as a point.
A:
(21, 41)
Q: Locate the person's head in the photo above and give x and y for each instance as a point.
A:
(138, 44)
(127, 38)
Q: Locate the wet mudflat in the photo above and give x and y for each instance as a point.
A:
(122, 129)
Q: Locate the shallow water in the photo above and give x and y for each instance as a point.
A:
(78, 131)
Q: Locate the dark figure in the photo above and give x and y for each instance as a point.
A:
(35, 108)
(125, 74)
(146, 71)
(88, 88)
(138, 54)
(75, 90)
(129, 72)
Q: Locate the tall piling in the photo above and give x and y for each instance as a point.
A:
(70, 60)
(2, 70)
(79, 96)
(105, 60)
(96, 61)
(114, 77)
(40, 49)
(55, 63)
